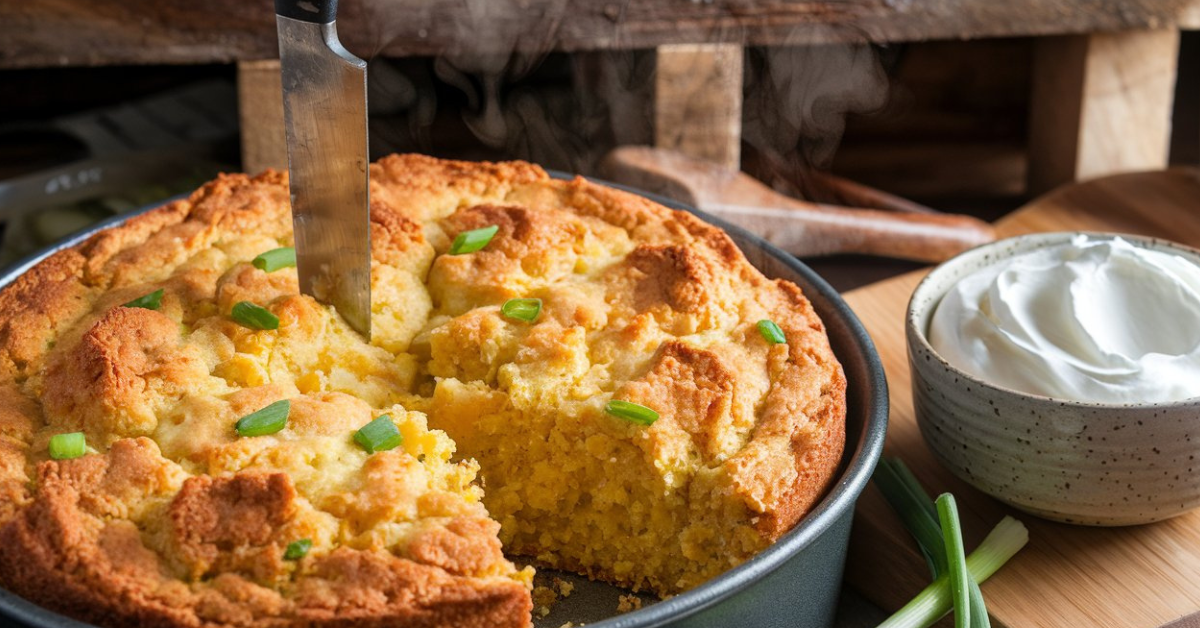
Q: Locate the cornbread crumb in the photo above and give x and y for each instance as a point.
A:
(174, 520)
(629, 603)
(544, 597)
(562, 587)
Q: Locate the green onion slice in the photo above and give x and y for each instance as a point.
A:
(253, 316)
(473, 240)
(632, 412)
(771, 332)
(67, 446)
(379, 435)
(522, 309)
(269, 420)
(297, 549)
(150, 301)
(275, 259)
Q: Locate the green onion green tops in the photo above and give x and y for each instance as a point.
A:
(771, 332)
(379, 435)
(67, 446)
(297, 549)
(522, 309)
(269, 420)
(275, 259)
(253, 316)
(632, 412)
(473, 240)
(150, 301)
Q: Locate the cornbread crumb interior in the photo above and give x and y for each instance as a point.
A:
(173, 519)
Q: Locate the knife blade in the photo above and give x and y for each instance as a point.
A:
(325, 113)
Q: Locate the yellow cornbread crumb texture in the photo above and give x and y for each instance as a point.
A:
(639, 303)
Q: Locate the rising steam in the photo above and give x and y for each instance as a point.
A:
(796, 97)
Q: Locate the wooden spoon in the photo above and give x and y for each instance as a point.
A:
(799, 227)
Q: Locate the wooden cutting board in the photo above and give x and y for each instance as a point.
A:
(1068, 576)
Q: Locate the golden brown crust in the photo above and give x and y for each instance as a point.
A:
(177, 522)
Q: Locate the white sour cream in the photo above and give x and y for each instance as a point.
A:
(1096, 320)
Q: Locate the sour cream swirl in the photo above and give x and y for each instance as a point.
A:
(1095, 319)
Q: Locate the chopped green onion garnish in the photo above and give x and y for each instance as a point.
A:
(67, 446)
(253, 316)
(522, 309)
(473, 240)
(150, 301)
(379, 435)
(275, 259)
(771, 332)
(956, 560)
(297, 549)
(632, 412)
(269, 420)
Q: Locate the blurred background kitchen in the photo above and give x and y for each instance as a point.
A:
(964, 106)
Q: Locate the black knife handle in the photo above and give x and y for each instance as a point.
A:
(314, 11)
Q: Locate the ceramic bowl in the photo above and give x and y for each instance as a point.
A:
(1084, 463)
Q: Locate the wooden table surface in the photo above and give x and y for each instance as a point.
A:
(1131, 577)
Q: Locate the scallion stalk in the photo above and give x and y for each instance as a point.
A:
(1001, 544)
(908, 498)
(917, 510)
(956, 561)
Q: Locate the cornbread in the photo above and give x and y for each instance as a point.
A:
(173, 519)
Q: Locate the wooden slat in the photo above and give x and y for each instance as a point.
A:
(95, 32)
(1101, 105)
(1131, 577)
(698, 102)
(260, 110)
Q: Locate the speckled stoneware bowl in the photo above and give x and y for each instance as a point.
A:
(1084, 463)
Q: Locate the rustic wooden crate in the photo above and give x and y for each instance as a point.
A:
(1102, 74)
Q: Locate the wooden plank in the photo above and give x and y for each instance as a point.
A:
(698, 102)
(91, 32)
(260, 112)
(1132, 577)
(1101, 105)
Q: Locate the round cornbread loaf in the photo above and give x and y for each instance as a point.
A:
(173, 519)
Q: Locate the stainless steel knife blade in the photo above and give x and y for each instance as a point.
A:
(325, 111)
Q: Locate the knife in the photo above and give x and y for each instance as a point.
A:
(325, 112)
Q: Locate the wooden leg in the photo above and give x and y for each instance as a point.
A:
(698, 101)
(1101, 104)
(260, 112)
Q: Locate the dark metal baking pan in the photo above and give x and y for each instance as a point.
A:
(794, 582)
